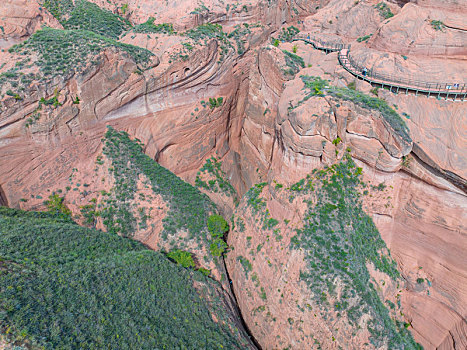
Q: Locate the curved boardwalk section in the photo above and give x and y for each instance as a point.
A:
(456, 91)
(321, 45)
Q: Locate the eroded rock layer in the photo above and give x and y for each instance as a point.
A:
(220, 95)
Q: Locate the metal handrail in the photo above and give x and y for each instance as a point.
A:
(322, 45)
(406, 82)
(385, 79)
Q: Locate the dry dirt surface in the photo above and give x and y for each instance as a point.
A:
(223, 81)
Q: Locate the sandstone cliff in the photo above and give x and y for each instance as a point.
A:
(222, 82)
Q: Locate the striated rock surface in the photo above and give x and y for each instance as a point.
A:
(218, 85)
(20, 19)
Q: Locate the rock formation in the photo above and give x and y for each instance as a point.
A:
(194, 81)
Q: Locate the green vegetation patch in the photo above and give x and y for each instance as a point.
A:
(87, 16)
(339, 240)
(182, 258)
(60, 9)
(217, 227)
(318, 86)
(247, 267)
(63, 286)
(254, 199)
(207, 31)
(364, 38)
(384, 10)
(438, 25)
(150, 27)
(66, 52)
(287, 34)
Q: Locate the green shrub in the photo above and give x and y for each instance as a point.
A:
(15, 95)
(293, 61)
(55, 204)
(217, 226)
(218, 247)
(384, 10)
(339, 240)
(207, 31)
(438, 25)
(364, 38)
(389, 114)
(204, 271)
(124, 8)
(238, 35)
(287, 34)
(214, 103)
(336, 141)
(59, 8)
(182, 258)
(189, 209)
(213, 167)
(315, 84)
(247, 267)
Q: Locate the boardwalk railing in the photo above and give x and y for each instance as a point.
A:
(454, 90)
(321, 45)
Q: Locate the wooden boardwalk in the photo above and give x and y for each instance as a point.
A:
(456, 91)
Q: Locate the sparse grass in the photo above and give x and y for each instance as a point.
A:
(238, 35)
(247, 267)
(287, 34)
(220, 183)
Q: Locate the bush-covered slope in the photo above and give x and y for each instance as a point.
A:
(64, 286)
(83, 14)
(64, 52)
(321, 274)
(340, 240)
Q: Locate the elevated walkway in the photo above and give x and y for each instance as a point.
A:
(456, 91)
(319, 44)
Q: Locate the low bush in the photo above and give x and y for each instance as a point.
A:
(384, 10)
(182, 258)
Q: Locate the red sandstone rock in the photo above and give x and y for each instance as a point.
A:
(421, 218)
